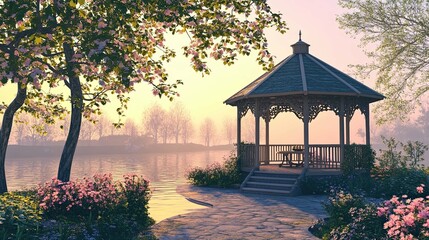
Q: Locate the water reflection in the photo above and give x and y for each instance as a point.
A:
(165, 171)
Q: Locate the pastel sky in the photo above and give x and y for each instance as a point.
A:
(204, 96)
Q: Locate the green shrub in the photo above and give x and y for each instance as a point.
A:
(349, 217)
(410, 157)
(134, 197)
(318, 184)
(19, 215)
(357, 183)
(398, 182)
(217, 175)
(357, 159)
(397, 172)
(339, 205)
(365, 224)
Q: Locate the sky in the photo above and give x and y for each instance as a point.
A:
(204, 96)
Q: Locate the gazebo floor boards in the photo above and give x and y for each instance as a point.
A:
(297, 170)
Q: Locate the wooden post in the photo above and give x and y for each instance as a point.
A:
(348, 119)
(367, 130)
(267, 139)
(341, 130)
(238, 131)
(306, 132)
(257, 133)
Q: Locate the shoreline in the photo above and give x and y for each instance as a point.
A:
(29, 151)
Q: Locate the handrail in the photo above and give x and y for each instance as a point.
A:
(247, 178)
(321, 155)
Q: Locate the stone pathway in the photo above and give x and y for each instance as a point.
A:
(235, 215)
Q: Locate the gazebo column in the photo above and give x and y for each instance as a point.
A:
(238, 131)
(348, 119)
(341, 115)
(367, 130)
(267, 139)
(306, 132)
(257, 134)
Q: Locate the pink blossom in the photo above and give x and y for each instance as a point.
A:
(419, 189)
(409, 219)
(424, 214)
(101, 24)
(167, 12)
(381, 211)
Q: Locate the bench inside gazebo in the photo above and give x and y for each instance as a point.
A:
(306, 86)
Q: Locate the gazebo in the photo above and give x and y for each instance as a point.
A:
(306, 86)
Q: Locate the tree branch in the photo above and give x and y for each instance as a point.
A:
(54, 70)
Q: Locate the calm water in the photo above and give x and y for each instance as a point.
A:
(165, 171)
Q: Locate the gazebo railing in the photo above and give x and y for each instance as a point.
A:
(321, 155)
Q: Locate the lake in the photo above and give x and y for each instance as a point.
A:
(165, 171)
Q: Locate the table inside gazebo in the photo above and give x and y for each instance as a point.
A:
(292, 158)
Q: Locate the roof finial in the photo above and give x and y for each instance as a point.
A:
(299, 35)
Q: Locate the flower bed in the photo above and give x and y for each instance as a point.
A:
(88, 208)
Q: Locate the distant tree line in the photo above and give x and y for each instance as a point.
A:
(173, 125)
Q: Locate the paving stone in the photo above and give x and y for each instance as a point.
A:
(242, 216)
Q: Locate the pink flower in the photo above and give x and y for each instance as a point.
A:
(381, 211)
(155, 92)
(409, 220)
(424, 214)
(419, 189)
(426, 224)
(101, 24)
(167, 12)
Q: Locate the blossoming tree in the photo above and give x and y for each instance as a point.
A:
(99, 49)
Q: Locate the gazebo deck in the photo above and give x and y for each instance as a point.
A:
(274, 168)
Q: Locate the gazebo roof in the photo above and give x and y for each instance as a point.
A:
(304, 74)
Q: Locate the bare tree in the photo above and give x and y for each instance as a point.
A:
(361, 133)
(230, 129)
(102, 126)
(177, 113)
(187, 129)
(19, 130)
(423, 120)
(166, 127)
(153, 120)
(207, 131)
(248, 129)
(130, 128)
(33, 131)
(87, 130)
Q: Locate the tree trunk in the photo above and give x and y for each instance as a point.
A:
(69, 149)
(6, 129)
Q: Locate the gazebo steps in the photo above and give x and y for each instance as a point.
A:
(276, 186)
(272, 180)
(270, 183)
(267, 191)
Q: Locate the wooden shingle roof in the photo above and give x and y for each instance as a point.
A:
(304, 74)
